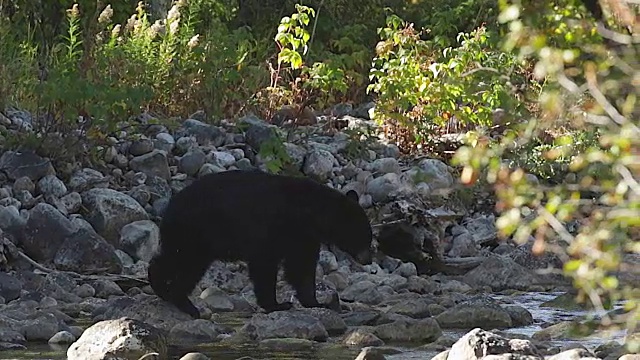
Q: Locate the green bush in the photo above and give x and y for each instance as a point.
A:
(162, 66)
(422, 87)
(599, 151)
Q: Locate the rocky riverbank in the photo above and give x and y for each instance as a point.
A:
(76, 242)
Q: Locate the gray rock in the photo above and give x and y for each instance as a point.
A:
(463, 246)
(11, 201)
(60, 287)
(110, 154)
(297, 153)
(574, 354)
(197, 331)
(205, 134)
(407, 269)
(385, 166)
(433, 172)
(319, 164)
(222, 159)
(6, 192)
(62, 337)
(191, 162)
(503, 249)
(109, 210)
(327, 261)
(81, 223)
(141, 194)
(482, 228)
(106, 288)
(392, 151)
(141, 147)
(364, 111)
(523, 256)
(128, 338)
(237, 154)
(217, 300)
(414, 308)
(384, 187)
(18, 164)
(42, 328)
(284, 324)
(24, 183)
(194, 356)
(342, 109)
(11, 339)
(356, 186)
(10, 287)
(152, 163)
(45, 232)
(501, 273)
(331, 320)
(86, 179)
(165, 142)
(364, 292)
(125, 259)
(366, 201)
(25, 200)
(245, 164)
(362, 337)
(209, 168)
(478, 341)
(220, 275)
(185, 144)
(52, 186)
(477, 312)
(87, 252)
(454, 286)
(140, 239)
(121, 161)
(257, 131)
(10, 219)
(519, 315)
(85, 291)
(422, 285)
(158, 187)
(71, 202)
(409, 330)
(160, 205)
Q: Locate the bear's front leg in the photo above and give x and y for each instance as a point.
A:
(300, 272)
(264, 275)
(185, 305)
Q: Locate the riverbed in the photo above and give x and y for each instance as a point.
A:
(530, 301)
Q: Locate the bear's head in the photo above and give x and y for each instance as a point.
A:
(352, 230)
(161, 277)
(166, 277)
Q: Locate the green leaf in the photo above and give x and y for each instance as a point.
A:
(572, 266)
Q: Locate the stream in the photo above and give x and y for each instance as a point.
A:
(328, 351)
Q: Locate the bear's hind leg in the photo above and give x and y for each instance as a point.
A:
(264, 275)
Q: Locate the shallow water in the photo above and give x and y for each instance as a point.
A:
(530, 301)
(541, 315)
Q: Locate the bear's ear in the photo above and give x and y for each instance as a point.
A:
(353, 195)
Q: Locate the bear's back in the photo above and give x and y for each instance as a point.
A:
(230, 211)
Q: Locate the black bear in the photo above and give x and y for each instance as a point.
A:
(259, 218)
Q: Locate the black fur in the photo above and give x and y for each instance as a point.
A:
(259, 218)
